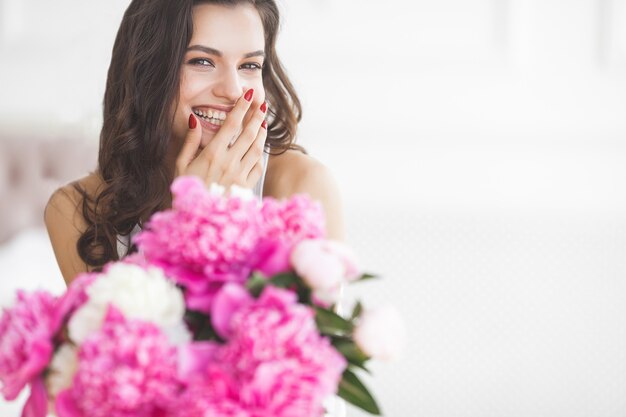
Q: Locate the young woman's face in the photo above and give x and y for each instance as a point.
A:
(223, 60)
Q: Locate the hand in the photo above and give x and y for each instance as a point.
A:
(218, 162)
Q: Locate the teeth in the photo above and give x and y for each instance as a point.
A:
(211, 114)
(211, 117)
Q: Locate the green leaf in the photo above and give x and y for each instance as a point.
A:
(200, 325)
(304, 293)
(366, 277)
(332, 324)
(356, 311)
(285, 280)
(352, 353)
(353, 391)
(256, 283)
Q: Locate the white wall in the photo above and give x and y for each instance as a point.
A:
(481, 149)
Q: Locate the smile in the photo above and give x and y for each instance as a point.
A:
(213, 116)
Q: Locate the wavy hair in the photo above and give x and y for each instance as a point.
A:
(141, 91)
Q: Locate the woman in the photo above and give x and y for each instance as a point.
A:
(194, 88)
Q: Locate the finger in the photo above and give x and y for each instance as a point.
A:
(255, 152)
(233, 120)
(256, 104)
(190, 145)
(249, 133)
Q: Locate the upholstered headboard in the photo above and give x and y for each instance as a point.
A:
(31, 169)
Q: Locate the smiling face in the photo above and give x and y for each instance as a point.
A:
(223, 60)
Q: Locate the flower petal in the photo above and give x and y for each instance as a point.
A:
(193, 358)
(37, 403)
(228, 300)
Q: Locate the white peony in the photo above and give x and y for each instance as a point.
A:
(144, 294)
(62, 369)
(380, 333)
(233, 191)
(217, 189)
(241, 193)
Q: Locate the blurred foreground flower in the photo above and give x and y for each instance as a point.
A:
(325, 265)
(126, 368)
(25, 340)
(139, 293)
(228, 309)
(380, 333)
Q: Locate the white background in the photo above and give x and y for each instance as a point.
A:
(480, 146)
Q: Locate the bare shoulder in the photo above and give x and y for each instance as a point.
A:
(65, 224)
(294, 172)
(67, 200)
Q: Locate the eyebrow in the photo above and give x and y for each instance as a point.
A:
(213, 51)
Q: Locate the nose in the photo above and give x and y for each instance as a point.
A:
(229, 86)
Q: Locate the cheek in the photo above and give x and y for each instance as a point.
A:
(248, 82)
(181, 120)
(189, 88)
(180, 126)
(258, 86)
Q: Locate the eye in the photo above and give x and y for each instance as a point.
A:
(251, 66)
(202, 62)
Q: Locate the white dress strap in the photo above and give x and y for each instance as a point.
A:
(124, 242)
(258, 188)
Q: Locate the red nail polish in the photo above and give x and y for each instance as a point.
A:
(264, 107)
(192, 122)
(264, 124)
(248, 95)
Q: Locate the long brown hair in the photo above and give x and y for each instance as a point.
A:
(142, 87)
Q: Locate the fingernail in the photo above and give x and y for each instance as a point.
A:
(264, 107)
(264, 124)
(248, 95)
(192, 121)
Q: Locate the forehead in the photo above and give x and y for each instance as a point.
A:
(232, 30)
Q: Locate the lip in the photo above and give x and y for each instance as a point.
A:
(208, 125)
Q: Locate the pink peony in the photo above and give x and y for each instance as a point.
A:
(26, 340)
(286, 223)
(74, 297)
(127, 369)
(228, 301)
(205, 240)
(212, 394)
(275, 363)
(293, 219)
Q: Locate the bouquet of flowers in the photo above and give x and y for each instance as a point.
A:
(228, 309)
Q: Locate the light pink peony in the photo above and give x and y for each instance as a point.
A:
(275, 363)
(324, 265)
(26, 340)
(285, 224)
(381, 333)
(127, 369)
(205, 240)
